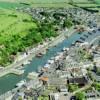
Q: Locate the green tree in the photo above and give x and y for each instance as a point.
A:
(68, 23)
(80, 96)
(72, 87)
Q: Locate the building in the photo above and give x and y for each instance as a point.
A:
(80, 81)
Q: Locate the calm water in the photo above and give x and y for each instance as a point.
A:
(9, 81)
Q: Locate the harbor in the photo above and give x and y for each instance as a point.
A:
(38, 63)
(5, 81)
(26, 59)
(13, 71)
(49, 50)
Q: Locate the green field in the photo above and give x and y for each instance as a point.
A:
(41, 3)
(47, 3)
(11, 5)
(13, 27)
(13, 23)
(97, 1)
(87, 5)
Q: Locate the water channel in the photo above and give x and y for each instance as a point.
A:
(8, 82)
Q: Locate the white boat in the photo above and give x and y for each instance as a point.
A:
(50, 61)
(64, 49)
(21, 83)
(26, 62)
(32, 75)
(47, 66)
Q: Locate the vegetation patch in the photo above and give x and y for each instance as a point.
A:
(96, 85)
(80, 96)
(72, 87)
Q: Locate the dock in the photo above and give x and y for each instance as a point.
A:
(17, 71)
(12, 71)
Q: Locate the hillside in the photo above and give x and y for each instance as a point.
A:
(13, 27)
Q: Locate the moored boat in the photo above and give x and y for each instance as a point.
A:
(21, 83)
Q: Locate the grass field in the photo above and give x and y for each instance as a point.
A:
(13, 27)
(97, 1)
(11, 5)
(12, 23)
(47, 3)
(87, 5)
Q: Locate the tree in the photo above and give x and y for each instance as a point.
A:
(68, 23)
(72, 87)
(80, 96)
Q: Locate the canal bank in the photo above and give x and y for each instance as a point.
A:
(8, 81)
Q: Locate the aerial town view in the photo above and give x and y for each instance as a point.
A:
(49, 49)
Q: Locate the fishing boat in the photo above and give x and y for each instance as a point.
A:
(82, 38)
(41, 54)
(26, 62)
(64, 49)
(98, 29)
(94, 31)
(86, 36)
(32, 75)
(89, 33)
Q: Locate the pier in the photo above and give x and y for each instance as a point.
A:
(13, 71)
(17, 72)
